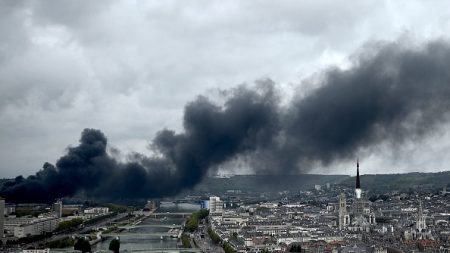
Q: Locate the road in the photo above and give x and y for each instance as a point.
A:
(77, 232)
(206, 244)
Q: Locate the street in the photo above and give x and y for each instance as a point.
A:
(206, 244)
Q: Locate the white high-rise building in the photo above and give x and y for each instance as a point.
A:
(215, 205)
(57, 208)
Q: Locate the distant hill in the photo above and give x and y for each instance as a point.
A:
(267, 183)
(372, 182)
(275, 183)
(400, 181)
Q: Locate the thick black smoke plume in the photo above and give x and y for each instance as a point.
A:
(392, 93)
(212, 135)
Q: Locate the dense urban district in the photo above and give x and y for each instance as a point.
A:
(328, 217)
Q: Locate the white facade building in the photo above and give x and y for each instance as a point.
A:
(35, 226)
(94, 212)
(36, 251)
(97, 210)
(57, 208)
(215, 206)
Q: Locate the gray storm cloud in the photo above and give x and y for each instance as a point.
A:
(392, 93)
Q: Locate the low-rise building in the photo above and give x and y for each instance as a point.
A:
(36, 251)
(36, 226)
(96, 211)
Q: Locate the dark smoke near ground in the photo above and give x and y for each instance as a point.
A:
(392, 93)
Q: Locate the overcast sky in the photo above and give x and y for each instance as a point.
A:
(129, 67)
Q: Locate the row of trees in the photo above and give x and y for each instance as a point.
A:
(214, 237)
(61, 243)
(66, 225)
(228, 248)
(99, 218)
(29, 239)
(192, 223)
(115, 208)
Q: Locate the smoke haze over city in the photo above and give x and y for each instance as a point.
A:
(392, 93)
(157, 120)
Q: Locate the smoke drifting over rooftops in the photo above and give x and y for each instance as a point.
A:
(391, 93)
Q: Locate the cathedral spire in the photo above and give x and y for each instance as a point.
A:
(421, 223)
(358, 190)
(358, 183)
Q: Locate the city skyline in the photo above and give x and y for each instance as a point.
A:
(323, 214)
(211, 126)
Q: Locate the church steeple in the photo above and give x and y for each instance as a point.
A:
(420, 222)
(358, 183)
(358, 190)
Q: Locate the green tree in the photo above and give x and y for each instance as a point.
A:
(65, 225)
(203, 213)
(114, 245)
(185, 241)
(82, 245)
(61, 243)
(116, 208)
(192, 222)
(295, 248)
(228, 248)
(214, 237)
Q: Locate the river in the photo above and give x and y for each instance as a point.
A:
(146, 243)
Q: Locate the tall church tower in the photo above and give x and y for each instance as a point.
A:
(358, 190)
(344, 218)
(360, 217)
(359, 204)
(420, 222)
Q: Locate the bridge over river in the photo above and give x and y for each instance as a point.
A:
(150, 226)
(168, 214)
(137, 235)
(164, 250)
(160, 250)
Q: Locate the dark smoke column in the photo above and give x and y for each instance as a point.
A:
(82, 168)
(393, 93)
(212, 135)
